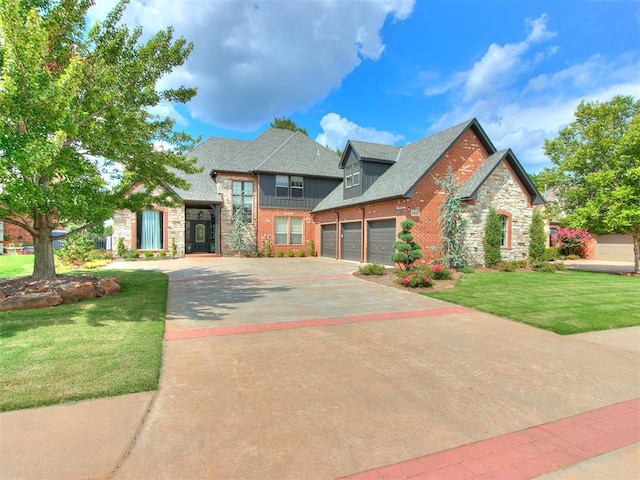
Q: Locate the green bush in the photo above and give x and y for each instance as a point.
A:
(120, 248)
(372, 269)
(130, 255)
(537, 239)
(311, 248)
(291, 253)
(547, 267)
(438, 272)
(415, 278)
(301, 253)
(552, 253)
(492, 239)
(407, 250)
(280, 254)
(148, 254)
(467, 269)
(96, 264)
(507, 266)
(162, 254)
(174, 247)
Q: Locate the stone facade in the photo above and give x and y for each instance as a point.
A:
(224, 183)
(509, 198)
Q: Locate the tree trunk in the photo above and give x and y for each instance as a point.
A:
(44, 265)
(636, 249)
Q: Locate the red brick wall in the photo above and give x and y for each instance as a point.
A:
(13, 231)
(266, 225)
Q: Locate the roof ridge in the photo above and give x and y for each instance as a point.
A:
(276, 150)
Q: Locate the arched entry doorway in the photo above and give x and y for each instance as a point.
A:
(201, 229)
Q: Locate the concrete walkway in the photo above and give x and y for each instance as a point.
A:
(293, 368)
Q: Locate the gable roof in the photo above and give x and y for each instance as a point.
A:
(207, 154)
(274, 151)
(283, 151)
(469, 190)
(412, 163)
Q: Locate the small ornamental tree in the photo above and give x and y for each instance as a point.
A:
(407, 250)
(572, 241)
(241, 230)
(452, 223)
(492, 239)
(537, 240)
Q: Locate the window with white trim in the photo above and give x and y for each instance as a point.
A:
(289, 230)
(352, 176)
(289, 186)
(505, 231)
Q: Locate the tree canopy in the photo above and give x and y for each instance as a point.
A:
(77, 121)
(598, 158)
(287, 124)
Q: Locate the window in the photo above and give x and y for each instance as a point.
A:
(352, 176)
(149, 227)
(243, 196)
(288, 230)
(289, 187)
(297, 187)
(282, 186)
(506, 230)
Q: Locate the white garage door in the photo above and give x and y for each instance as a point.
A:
(618, 248)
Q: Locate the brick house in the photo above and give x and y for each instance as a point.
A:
(278, 178)
(294, 190)
(382, 185)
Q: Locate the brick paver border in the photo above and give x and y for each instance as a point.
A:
(314, 322)
(527, 453)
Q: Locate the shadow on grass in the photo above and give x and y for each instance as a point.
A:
(143, 298)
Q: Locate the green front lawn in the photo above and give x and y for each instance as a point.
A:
(16, 265)
(565, 303)
(94, 348)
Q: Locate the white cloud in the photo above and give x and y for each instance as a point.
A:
(255, 59)
(336, 130)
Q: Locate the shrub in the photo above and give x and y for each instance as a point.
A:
(291, 253)
(131, 255)
(547, 267)
(452, 222)
(492, 239)
(253, 254)
(407, 251)
(372, 269)
(572, 241)
(148, 254)
(438, 272)
(174, 248)
(537, 239)
(162, 254)
(280, 254)
(120, 248)
(414, 278)
(311, 248)
(507, 266)
(552, 253)
(467, 269)
(267, 245)
(96, 264)
(302, 253)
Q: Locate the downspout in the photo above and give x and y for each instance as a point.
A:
(338, 238)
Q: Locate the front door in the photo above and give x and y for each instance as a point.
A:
(200, 235)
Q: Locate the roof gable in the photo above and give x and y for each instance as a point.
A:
(373, 152)
(469, 190)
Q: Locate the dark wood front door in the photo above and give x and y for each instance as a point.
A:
(200, 235)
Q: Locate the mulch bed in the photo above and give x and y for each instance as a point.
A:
(389, 279)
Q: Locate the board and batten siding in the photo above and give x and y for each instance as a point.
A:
(369, 173)
(314, 190)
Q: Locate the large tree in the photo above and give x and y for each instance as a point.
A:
(287, 124)
(76, 105)
(598, 157)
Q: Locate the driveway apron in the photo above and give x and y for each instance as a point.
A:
(296, 369)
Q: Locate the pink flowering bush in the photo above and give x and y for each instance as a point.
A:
(414, 278)
(572, 241)
(438, 272)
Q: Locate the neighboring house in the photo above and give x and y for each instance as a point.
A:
(382, 185)
(295, 190)
(278, 178)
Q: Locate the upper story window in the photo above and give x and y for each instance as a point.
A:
(289, 186)
(243, 196)
(352, 176)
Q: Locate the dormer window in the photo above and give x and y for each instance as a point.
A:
(352, 176)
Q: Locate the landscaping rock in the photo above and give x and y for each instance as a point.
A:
(25, 292)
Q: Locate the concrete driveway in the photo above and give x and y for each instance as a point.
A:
(295, 369)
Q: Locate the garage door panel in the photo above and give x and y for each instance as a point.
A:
(328, 241)
(614, 247)
(380, 238)
(351, 237)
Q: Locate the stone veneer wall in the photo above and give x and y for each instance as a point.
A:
(224, 184)
(507, 195)
(124, 224)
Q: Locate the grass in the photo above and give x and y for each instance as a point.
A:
(94, 348)
(565, 303)
(16, 265)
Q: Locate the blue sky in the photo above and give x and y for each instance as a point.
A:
(395, 71)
